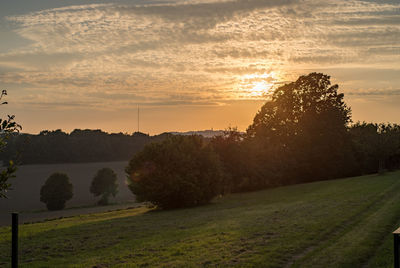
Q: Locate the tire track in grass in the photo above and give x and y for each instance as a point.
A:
(347, 225)
(354, 246)
(383, 255)
(358, 246)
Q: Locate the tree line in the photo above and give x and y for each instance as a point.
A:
(49, 147)
(304, 133)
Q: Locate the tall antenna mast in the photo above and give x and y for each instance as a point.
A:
(138, 118)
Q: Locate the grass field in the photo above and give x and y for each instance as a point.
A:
(340, 223)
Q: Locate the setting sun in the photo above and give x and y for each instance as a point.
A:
(93, 63)
(260, 88)
(257, 85)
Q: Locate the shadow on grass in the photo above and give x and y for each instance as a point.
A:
(253, 228)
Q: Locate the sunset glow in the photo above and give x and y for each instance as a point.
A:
(258, 86)
(190, 64)
(200, 133)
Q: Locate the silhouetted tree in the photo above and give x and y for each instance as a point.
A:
(180, 171)
(104, 183)
(7, 127)
(304, 127)
(56, 191)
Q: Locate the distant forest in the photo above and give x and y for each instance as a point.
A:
(50, 147)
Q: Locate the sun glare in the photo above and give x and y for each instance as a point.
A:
(256, 85)
(259, 88)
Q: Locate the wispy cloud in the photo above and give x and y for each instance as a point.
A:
(188, 53)
(375, 92)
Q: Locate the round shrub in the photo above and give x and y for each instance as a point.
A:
(180, 171)
(104, 183)
(56, 191)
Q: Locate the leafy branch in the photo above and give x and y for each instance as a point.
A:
(7, 127)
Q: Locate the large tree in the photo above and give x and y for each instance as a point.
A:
(305, 125)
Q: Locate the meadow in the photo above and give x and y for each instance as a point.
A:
(339, 223)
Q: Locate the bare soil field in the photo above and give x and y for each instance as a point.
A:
(25, 196)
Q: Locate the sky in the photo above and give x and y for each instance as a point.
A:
(190, 64)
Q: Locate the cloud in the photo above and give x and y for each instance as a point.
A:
(40, 60)
(187, 52)
(374, 92)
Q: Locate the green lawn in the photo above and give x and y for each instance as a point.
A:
(340, 223)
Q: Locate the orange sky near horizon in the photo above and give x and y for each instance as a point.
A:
(190, 64)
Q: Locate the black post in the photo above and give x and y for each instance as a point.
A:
(14, 250)
(396, 250)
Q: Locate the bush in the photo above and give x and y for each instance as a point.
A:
(105, 184)
(181, 171)
(56, 191)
